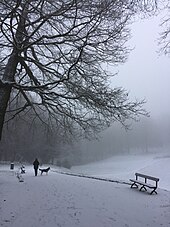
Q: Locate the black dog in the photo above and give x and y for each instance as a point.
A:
(44, 170)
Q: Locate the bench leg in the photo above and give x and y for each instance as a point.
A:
(134, 184)
(153, 191)
(143, 187)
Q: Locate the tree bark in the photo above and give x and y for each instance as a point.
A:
(5, 87)
(10, 69)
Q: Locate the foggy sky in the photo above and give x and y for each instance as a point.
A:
(146, 74)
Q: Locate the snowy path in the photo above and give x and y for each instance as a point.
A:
(59, 200)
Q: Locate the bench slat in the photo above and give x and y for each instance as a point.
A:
(143, 183)
(147, 177)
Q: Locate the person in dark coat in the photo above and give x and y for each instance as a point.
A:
(36, 165)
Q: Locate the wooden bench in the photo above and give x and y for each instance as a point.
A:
(139, 181)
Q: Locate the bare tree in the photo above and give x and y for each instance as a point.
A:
(54, 54)
(164, 40)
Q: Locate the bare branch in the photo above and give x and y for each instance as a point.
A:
(54, 54)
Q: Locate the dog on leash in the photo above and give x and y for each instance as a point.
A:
(45, 170)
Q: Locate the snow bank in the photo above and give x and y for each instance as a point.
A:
(124, 167)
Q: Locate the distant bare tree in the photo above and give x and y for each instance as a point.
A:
(54, 53)
(165, 24)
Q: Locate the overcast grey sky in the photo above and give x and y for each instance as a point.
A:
(146, 74)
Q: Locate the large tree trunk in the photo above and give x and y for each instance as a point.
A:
(10, 69)
(5, 87)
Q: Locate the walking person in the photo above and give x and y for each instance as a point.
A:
(36, 165)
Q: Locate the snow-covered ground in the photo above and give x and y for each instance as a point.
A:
(58, 200)
(124, 167)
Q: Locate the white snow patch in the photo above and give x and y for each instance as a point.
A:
(57, 200)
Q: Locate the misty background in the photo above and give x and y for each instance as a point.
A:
(145, 75)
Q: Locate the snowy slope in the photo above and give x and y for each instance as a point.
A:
(58, 200)
(124, 167)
